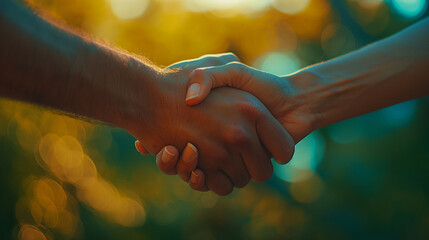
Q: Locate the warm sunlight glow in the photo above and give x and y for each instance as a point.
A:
(241, 6)
(128, 9)
(291, 6)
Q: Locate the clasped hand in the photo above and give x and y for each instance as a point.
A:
(229, 138)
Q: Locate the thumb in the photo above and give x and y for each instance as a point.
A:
(202, 80)
(199, 85)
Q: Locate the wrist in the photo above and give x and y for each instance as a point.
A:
(132, 97)
(328, 93)
(151, 112)
(302, 111)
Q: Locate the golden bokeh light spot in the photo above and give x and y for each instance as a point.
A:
(307, 190)
(99, 194)
(60, 197)
(68, 152)
(67, 223)
(128, 9)
(104, 197)
(46, 151)
(27, 134)
(24, 111)
(336, 40)
(53, 123)
(36, 211)
(291, 6)
(64, 125)
(51, 216)
(76, 128)
(30, 232)
(85, 171)
(43, 194)
(309, 24)
(50, 201)
(50, 206)
(130, 213)
(64, 157)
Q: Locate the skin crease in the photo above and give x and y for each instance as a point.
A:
(44, 63)
(388, 72)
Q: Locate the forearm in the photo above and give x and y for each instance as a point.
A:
(43, 63)
(388, 72)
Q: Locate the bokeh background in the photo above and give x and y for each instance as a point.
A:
(364, 178)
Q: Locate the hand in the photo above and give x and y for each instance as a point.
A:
(278, 94)
(167, 159)
(275, 92)
(227, 120)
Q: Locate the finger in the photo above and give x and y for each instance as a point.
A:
(219, 183)
(275, 138)
(237, 172)
(140, 148)
(188, 162)
(198, 181)
(202, 80)
(257, 161)
(166, 159)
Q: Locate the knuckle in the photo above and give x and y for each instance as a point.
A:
(221, 156)
(197, 73)
(237, 135)
(249, 109)
(213, 60)
(230, 57)
(215, 159)
(235, 65)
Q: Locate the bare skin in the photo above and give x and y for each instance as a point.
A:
(385, 73)
(44, 63)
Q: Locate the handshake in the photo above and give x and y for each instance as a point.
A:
(213, 121)
(222, 138)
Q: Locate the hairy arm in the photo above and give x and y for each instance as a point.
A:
(44, 63)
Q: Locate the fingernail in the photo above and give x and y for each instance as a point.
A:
(136, 144)
(189, 153)
(140, 147)
(194, 177)
(193, 91)
(167, 155)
